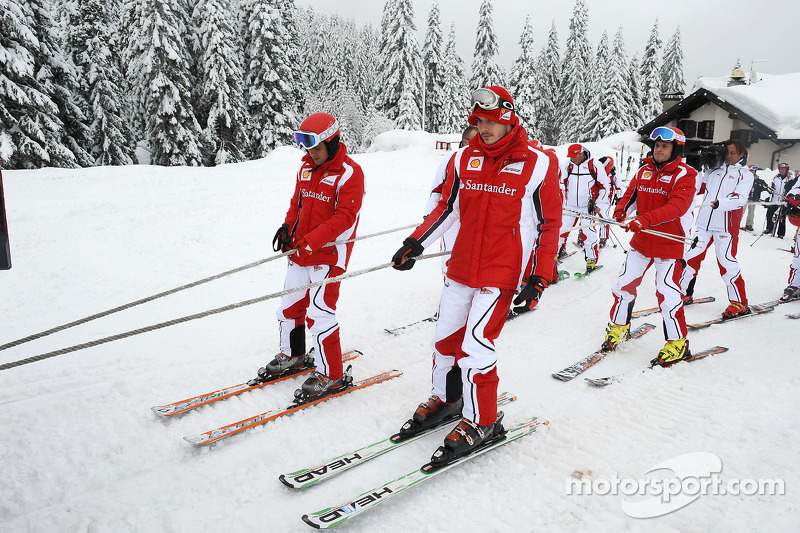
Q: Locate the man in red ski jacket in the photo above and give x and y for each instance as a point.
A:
(325, 207)
(506, 196)
(661, 193)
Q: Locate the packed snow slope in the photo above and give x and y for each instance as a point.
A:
(81, 450)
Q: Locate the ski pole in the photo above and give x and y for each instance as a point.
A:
(614, 235)
(670, 236)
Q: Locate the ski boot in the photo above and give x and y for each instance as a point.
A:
(430, 414)
(603, 243)
(283, 364)
(735, 309)
(465, 438)
(672, 352)
(320, 385)
(790, 293)
(687, 299)
(615, 334)
(591, 265)
(562, 252)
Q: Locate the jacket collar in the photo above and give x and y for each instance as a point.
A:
(331, 164)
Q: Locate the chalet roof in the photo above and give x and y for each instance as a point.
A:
(769, 105)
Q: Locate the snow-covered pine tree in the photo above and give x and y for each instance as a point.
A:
(672, 81)
(597, 119)
(432, 64)
(297, 83)
(366, 76)
(159, 70)
(403, 63)
(651, 77)
(523, 83)
(574, 77)
(29, 123)
(455, 97)
(634, 93)
(485, 70)
(616, 89)
(384, 44)
(220, 107)
(267, 76)
(89, 34)
(549, 67)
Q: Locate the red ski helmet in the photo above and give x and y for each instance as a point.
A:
(574, 150)
(494, 103)
(317, 128)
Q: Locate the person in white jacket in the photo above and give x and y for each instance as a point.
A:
(449, 237)
(586, 188)
(779, 183)
(727, 189)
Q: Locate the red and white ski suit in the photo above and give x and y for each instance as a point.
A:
(449, 236)
(325, 207)
(729, 185)
(660, 197)
(509, 207)
(581, 183)
(794, 267)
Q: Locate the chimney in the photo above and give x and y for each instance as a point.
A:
(668, 100)
(737, 77)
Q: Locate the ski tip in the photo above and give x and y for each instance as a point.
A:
(282, 479)
(195, 441)
(161, 410)
(308, 521)
(561, 377)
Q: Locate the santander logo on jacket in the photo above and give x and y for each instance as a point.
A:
(507, 205)
(730, 185)
(325, 207)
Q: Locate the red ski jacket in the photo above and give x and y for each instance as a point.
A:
(508, 206)
(660, 197)
(325, 207)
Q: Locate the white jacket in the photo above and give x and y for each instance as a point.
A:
(730, 184)
(779, 184)
(577, 182)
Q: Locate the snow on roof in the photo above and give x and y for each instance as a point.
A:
(772, 100)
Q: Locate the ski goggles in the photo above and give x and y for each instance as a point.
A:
(488, 100)
(667, 135)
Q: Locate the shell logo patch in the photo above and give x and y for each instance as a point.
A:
(647, 175)
(306, 175)
(475, 163)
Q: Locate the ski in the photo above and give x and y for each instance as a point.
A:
(397, 331)
(237, 427)
(559, 259)
(581, 275)
(604, 382)
(754, 310)
(514, 314)
(336, 516)
(651, 310)
(307, 477)
(574, 370)
(796, 315)
(176, 408)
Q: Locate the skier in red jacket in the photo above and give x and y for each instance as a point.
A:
(325, 207)
(661, 193)
(506, 196)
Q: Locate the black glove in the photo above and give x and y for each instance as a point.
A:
(282, 242)
(530, 294)
(714, 204)
(403, 259)
(590, 207)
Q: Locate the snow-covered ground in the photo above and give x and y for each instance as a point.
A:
(81, 451)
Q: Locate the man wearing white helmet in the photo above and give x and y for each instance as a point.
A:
(779, 183)
(325, 207)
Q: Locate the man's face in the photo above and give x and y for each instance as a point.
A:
(662, 151)
(465, 139)
(578, 159)
(319, 154)
(491, 131)
(783, 170)
(733, 155)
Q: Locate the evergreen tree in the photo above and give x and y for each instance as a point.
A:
(672, 81)
(89, 29)
(159, 69)
(403, 63)
(220, 107)
(634, 93)
(651, 77)
(597, 112)
(523, 82)
(455, 92)
(267, 76)
(485, 70)
(577, 60)
(432, 61)
(616, 89)
(297, 81)
(548, 111)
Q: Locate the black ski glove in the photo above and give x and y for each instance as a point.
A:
(530, 294)
(403, 259)
(282, 242)
(590, 207)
